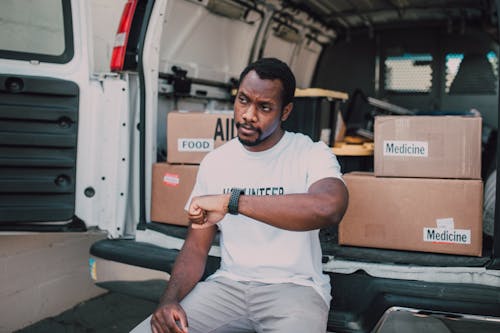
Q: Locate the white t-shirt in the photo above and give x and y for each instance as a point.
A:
(255, 251)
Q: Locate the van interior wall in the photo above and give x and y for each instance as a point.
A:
(475, 42)
(215, 47)
(209, 46)
(302, 57)
(349, 65)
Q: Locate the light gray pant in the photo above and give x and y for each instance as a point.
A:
(225, 306)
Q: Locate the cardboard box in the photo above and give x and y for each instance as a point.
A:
(428, 146)
(171, 188)
(414, 214)
(191, 134)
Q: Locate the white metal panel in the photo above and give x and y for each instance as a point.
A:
(151, 57)
(304, 63)
(279, 48)
(113, 129)
(209, 46)
(301, 57)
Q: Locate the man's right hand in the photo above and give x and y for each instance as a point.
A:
(169, 318)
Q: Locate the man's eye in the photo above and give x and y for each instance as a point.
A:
(243, 100)
(265, 107)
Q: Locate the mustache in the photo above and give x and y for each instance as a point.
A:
(248, 126)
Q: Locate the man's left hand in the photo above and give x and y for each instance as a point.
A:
(207, 210)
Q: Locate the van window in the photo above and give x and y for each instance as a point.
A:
(36, 30)
(493, 59)
(471, 73)
(409, 73)
(453, 61)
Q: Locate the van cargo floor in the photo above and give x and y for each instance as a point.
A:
(330, 246)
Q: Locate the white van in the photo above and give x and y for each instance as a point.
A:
(79, 137)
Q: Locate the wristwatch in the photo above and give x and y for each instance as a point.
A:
(234, 198)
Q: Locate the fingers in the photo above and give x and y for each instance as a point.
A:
(197, 215)
(170, 327)
(156, 328)
(165, 321)
(207, 210)
(159, 322)
(201, 226)
(184, 327)
(182, 321)
(209, 203)
(198, 219)
(195, 210)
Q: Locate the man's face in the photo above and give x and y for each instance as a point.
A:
(258, 112)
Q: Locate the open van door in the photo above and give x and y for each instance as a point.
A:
(61, 126)
(41, 75)
(70, 129)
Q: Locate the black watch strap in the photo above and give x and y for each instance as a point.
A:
(234, 198)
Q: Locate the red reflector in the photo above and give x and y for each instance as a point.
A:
(121, 38)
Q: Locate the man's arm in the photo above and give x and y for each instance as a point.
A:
(324, 204)
(187, 271)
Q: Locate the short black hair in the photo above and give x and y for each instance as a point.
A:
(274, 69)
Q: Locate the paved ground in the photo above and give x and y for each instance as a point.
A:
(111, 312)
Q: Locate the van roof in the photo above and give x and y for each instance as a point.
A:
(352, 16)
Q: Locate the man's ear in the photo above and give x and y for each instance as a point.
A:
(286, 111)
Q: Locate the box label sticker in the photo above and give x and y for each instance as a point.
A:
(171, 179)
(446, 223)
(195, 144)
(447, 236)
(406, 148)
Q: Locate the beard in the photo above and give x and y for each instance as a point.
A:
(250, 143)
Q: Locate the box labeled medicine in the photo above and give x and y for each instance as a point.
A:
(428, 146)
(413, 214)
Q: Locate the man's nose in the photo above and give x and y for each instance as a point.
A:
(250, 113)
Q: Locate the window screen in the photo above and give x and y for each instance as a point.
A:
(453, 61)
(409, 73)
(493, 59)
(471, 73)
